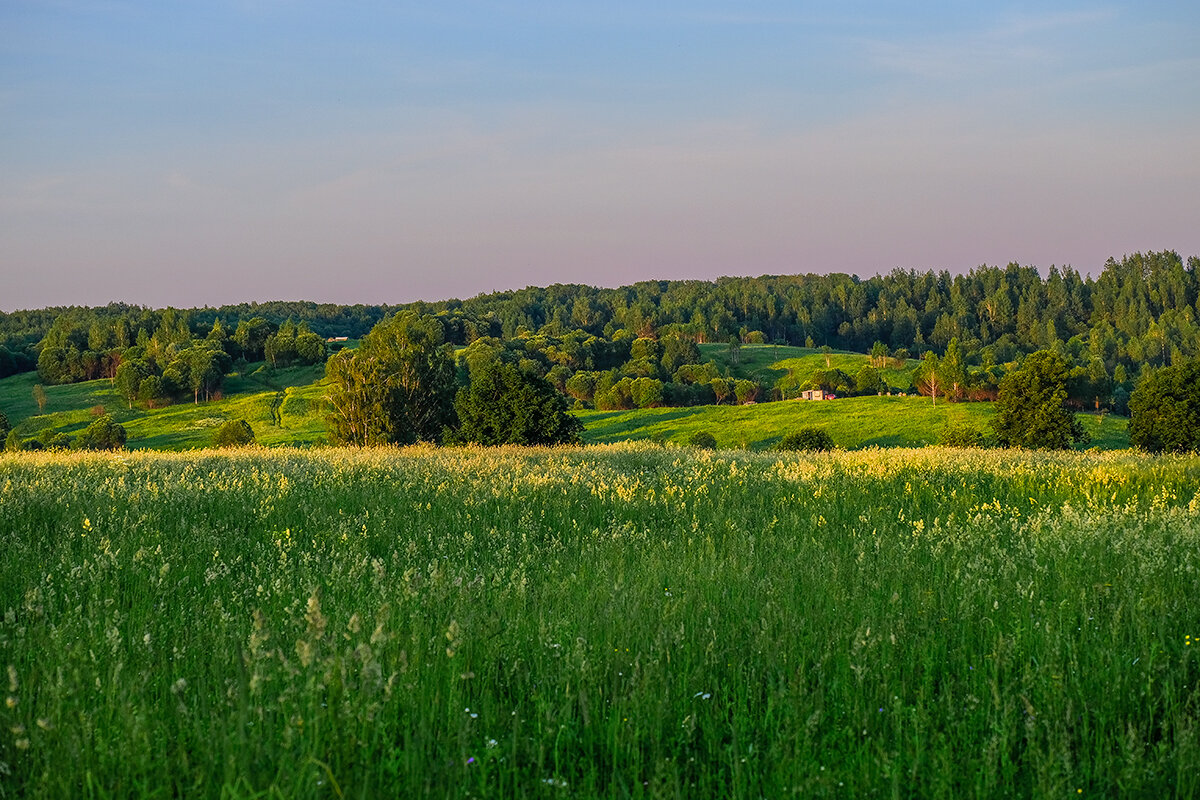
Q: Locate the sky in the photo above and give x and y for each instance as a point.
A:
(201, 153)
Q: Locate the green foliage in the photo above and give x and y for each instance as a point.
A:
(506, 405)
(961, 434)
(103, 434)
(1165, 410)
(1031, 411)
(867, 381)
(746, 391)
(396, 388)
(234, 433)
(4, 426)
(806, 439)
(647, 392)
(702, 440)
(13, 443)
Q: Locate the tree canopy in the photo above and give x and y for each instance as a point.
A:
(396, 388)
(506, 405)
(1165, 410)
(1031, 408)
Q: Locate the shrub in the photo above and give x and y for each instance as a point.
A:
(234, 433)
(806, 439)
(103, 434)
(13, 443)
(961, 434)
(703, 440)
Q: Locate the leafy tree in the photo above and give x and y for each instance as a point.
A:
(722, 388)
(953, 371)
(129, 379)
(233, 433)
(397, 387)
(581, 386)
(4, 426)
(49, 439)
(251, 336)
(1165, 410)
(152, 390)
(807, 438)
(506, 405)
(879, 354)
(13, 443)
(929, 376)
(103, 434)
(1030, 409)
(310, 348)
(647, 392)
(746, 391)
(702, 440)
(677, 351)
(868, 381)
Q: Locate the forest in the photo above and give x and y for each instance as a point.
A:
(637, 345)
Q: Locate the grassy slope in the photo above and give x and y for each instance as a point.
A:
(769, 363)
(185, 425)
(852, 422)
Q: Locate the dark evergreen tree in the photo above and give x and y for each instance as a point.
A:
(506, 405)
(1164, 410)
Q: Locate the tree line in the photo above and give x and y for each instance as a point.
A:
(1140, 310)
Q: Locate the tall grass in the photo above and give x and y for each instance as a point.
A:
(625, 621)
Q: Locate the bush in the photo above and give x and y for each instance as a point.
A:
(806, 439)
(961, 434)
(3, 424)
(703, 440)
(233, 433)
(13, 443)
(103, 434)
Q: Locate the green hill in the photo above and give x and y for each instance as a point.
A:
(769, 364)
(853, 422)
(284, 407)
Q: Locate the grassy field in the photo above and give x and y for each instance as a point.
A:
(768, 363)
(619, 621)
(853, 422)
(284, 408)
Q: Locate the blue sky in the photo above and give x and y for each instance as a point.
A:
(202, 153)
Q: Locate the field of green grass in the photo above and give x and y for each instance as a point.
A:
(768, 363)
(283, 406)
(853, 422)
(617, 621)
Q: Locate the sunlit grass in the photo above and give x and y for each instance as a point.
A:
(627, 621)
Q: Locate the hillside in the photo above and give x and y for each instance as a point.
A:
(284, 408)
(853, 422)
(769, 363)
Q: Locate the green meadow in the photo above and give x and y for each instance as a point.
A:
(853, 422)
(285, 407)
(615, 621)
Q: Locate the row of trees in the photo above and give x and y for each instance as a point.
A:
(71, 352)
(1139, 310)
